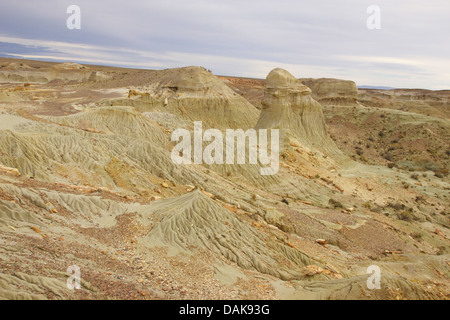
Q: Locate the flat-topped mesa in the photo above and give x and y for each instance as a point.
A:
(69, 66)
(289, 107)
(332, 91)
(15, 72)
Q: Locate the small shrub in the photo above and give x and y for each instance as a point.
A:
(335, 204)
(417, 236)
(405, 216)
(438, 174)
(420, 199)
(397, 206)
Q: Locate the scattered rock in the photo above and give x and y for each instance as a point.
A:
(13, 171)
(294, 143)
(208, 194)
(339, 188)
(312, 270)
(231, 208)
(36, 229)
(440, 233)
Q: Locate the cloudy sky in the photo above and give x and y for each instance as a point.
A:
(321, 38)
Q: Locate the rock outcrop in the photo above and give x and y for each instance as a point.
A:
(70, 66)
(196, 94)
(16, 66)
(15, 72)
(43, 76)
(332, 91)
(289, 107)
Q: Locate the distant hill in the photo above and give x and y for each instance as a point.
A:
(376, 87)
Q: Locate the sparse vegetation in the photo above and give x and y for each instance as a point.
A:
(397, 206)
(405, 215)
(367, 205)
(417, 236)
(335, 204)
(442, 250)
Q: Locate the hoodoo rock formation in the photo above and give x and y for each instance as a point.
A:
(289, 106)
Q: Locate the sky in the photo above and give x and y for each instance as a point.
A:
(248, 38)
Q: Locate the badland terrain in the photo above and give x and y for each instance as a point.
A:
(87, 180)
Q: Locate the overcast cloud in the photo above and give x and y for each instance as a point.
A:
(322, 38)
